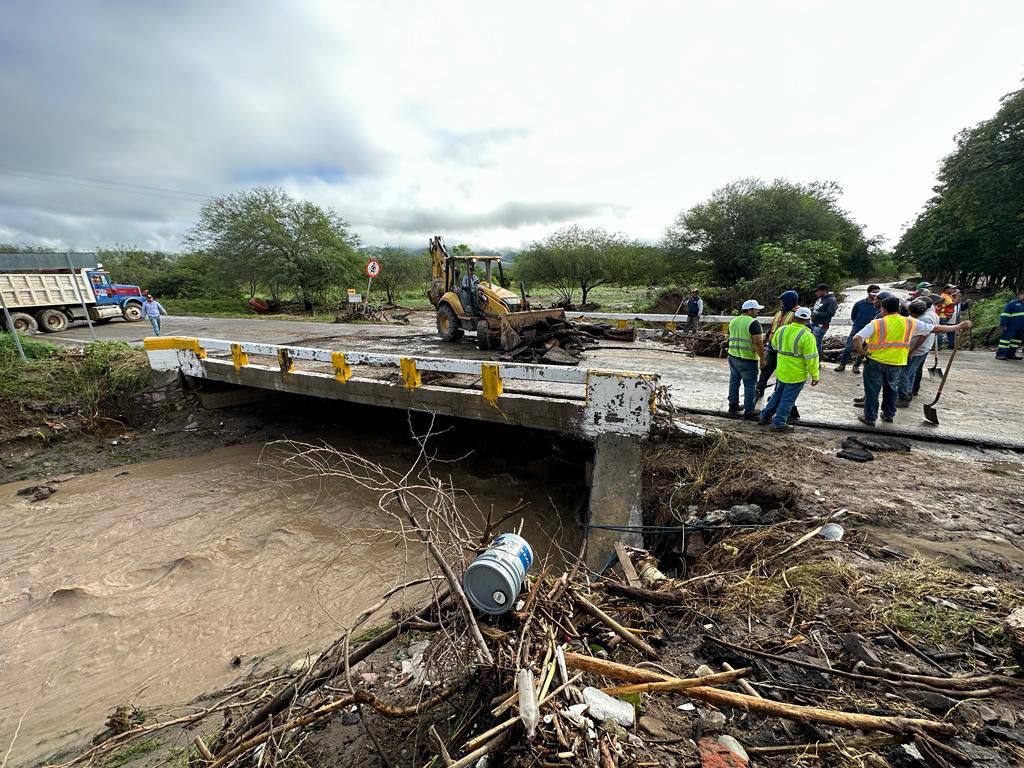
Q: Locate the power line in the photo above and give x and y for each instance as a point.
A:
(165, 193)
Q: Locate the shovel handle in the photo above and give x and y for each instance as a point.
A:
(945, 373)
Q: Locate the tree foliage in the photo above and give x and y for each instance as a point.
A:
(973, 228)
(265, 238)
(579, 259)
(720, 241)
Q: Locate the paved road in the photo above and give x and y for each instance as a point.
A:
(982, 399)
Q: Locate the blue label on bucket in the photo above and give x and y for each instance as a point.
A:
(511, 543)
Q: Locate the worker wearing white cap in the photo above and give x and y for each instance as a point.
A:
(746, 352)
(798, 359)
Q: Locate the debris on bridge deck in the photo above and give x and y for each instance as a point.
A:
(562, 342)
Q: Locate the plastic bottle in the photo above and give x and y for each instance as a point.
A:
(529, 712)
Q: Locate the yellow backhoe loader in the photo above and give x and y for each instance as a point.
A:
(466, 301)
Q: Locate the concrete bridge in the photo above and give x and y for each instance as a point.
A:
(615, 409)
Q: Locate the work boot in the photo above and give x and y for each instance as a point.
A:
(887, 419)
(763, 421)
(750, 416)
(856, 369)
(783, 428)
(901, 403)
(865, 422)
(858, 401)
(734, 412)
(841, 367)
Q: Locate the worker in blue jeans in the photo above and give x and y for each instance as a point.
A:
(797, 360)
(746, 351)
(151, 310)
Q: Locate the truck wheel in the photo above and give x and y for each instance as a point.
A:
(483, 335)
(24, 323)
(448, 324)
(51, 320)
(132, 312)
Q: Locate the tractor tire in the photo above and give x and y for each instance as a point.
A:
(51, 320)
(483, 335)
(448, 324)
(132, 312)
(24, 323)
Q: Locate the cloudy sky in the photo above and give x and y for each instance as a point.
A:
(489, 124)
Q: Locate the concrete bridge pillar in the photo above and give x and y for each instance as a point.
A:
(615, 493)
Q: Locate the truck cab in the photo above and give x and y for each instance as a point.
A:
(128, 298)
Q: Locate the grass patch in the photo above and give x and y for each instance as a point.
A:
(222, 307)
(66, 380)
(985, 315)
(131, 752)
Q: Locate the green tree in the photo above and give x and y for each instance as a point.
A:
(577, 259)
(264, 237)
(972, 229)
(721, 238)
(135, 266)
(400, 269)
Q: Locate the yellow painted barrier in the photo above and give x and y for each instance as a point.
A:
(410, 376)
(284, 360)
(342, 370)
(492, 382)
(174, 342)
(238, 357)
(622, 323)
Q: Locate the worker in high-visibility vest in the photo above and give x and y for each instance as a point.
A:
(886, 343)
(746, 351)
(1011, 321)
(797, 352)
(789, 303)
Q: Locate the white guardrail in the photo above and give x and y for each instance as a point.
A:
(670, 320)
(616, 401)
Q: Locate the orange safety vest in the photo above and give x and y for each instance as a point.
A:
(779, 320)
(890, 337)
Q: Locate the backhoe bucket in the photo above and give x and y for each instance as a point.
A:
(514, 323)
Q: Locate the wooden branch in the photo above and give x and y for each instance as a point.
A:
(627, 565)
(644, 595)
(852, 720)
(617, 628)
(483, 653)
(679, 684)
(869, 742)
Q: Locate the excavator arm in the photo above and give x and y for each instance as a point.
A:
(439, 278)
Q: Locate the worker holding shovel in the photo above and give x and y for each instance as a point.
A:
(886, 343)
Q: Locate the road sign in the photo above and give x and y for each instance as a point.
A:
(372, 268)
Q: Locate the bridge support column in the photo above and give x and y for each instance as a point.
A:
(614, 495)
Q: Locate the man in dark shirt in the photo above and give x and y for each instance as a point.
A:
(864, 311)
(825, 306)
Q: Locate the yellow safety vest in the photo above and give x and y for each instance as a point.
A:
(798, 353)
(890, 337)
(741, 343)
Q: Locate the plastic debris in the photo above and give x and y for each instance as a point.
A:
(529, 713)
(603, 707)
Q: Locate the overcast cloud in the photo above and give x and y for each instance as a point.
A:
(491, 125)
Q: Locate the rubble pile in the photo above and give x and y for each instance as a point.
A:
(562, 342)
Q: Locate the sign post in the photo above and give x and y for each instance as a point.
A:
(372, 270)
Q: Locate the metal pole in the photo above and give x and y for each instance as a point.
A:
(10, 327)
(81, 298)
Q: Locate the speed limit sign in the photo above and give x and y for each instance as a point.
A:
(372, 268)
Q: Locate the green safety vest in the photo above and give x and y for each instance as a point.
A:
(741, 343)
(798, 353)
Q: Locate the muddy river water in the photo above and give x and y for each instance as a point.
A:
(139, 585)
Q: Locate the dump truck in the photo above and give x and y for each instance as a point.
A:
(466, 301)
(43, 291)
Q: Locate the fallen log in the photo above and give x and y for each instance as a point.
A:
(643, 595)
(678, 684)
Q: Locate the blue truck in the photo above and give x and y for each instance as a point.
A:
(48, 291)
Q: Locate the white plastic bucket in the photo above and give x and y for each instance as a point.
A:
(494, 579)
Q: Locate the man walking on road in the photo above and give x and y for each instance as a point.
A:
(886, 343)
(1011, 321)
(797, 359)
(824, 310)
(746, 350)
(694, 309)
(152, 309)
(864, 311)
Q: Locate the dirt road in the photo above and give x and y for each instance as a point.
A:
(981, 401)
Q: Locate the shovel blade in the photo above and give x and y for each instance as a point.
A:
(931, 414)
(934, 373)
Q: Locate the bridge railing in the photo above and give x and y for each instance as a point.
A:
(615, 401)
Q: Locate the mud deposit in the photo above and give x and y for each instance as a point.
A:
(142, 584)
